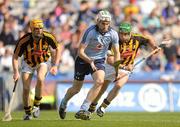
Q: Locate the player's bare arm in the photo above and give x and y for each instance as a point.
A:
(83, 55)
(54, 68)
(16, 74)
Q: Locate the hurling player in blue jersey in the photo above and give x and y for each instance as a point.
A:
(90, 60)
(129, 44)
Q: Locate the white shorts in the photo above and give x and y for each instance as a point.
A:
(27, 69)
(110, 72)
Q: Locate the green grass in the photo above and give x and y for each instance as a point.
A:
(111, 119)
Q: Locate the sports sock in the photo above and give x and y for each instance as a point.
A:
(37, 101)
(28, 110)
(105, 103)
(85, 105)
(92, 107)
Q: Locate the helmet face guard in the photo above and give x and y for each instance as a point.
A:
(104, 16)
(36, 23)
(125, 27)
(36, 26)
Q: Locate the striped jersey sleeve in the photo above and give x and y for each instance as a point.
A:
(20, 46)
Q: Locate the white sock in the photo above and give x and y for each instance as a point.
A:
(85, 105)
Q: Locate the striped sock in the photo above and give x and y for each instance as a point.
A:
(105, 103)
(92, 107)
(28, 110)
(37, 101)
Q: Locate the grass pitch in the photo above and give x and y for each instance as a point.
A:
(111, 119)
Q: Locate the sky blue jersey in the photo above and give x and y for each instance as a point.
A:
(98, 43)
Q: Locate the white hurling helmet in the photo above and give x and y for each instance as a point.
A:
(104, 16)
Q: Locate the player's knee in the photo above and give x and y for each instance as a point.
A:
(99, 82)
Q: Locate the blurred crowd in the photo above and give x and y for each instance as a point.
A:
(68, 19)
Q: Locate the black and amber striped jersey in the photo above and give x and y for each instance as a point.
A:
(128, 50)
(34, 52)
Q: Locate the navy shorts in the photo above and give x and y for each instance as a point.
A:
(83, 68)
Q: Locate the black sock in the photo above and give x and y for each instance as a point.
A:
(37, 101)
(105, 103)
(28, 110)
(92, 107)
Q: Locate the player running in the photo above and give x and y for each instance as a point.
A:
(90, 60)
(129, 44)
(35, 49)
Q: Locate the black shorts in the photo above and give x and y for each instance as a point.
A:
(83, 68)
